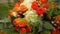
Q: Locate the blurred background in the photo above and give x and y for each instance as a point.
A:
(5, 5)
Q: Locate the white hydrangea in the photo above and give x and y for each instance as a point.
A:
(27, 3)
(31, 15)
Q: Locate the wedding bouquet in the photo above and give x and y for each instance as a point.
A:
(33, 16)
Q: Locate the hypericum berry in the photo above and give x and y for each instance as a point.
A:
(19, 12)
(40, 11)
(34, 5)
(42, 1)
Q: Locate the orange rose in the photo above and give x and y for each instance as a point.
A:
(16, 21)
(20, 23)
(58, 18)
(16, 6)
(11, 12)
(23, 8)
(21, 1)
(9, 17)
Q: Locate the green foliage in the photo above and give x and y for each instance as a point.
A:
(4, 8)
(51, 0)
(15, 1)
(37, 28)
(48, 25)
(45, 32)
(8, 28)
(56, 11)
(1, 26)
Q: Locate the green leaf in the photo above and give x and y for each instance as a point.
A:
(50, 13)
(51, 0)
(40, 25)
(46, 32)
(48, 25)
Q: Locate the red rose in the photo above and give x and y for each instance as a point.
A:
(23, 8)
(28, 29)
(55, 31)
(40, 11)
(34, 5)
(16, 21)
(22, 30)
(43, 1)
(46, 6)
(22, 24)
